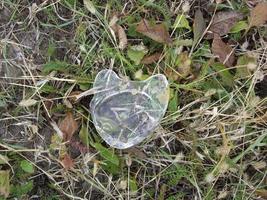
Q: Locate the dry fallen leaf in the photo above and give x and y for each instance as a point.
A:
(68, 126)
(151, 58)
(258, 15)
(122, 37)
(184, 65)
(222, 23)
(119, 31)
(182, 68)
(259, 165)
(262, 193)
(90, 6)
(136, 152)
(67, 162)
(199, 26)
(73, 96)
(223, 51)
(27, 102)
(157, 32)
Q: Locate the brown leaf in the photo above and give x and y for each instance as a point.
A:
(122, 37)
(68, 126)
(199, 26)
(136, 152)
(222, 23)
(67, 162)
(48, 104)
(262, 193)
(184, 65)
(224, 52)
(119, 31)
(151, 58)
(73, 96)
(258, 15)
(182, 68)
(157, 32)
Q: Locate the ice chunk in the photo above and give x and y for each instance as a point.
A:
(126, 112)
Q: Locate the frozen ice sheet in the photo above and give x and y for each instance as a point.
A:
(126, 112)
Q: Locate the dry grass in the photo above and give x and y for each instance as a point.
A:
(212, 146)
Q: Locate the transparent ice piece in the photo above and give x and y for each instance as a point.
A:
(125, 112)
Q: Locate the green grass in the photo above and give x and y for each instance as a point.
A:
(210, 144)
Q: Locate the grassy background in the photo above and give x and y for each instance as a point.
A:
(211, 143)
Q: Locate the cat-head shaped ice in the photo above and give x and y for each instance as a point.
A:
(125, 112)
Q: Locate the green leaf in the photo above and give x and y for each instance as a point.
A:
(239, 26)
(27, 166)
(19, 190)
(179, 195)
(47, 88)
(55, 66)
(56, 141)
(133, 185)
(203, 50)
(131, 31)
(3, 159)
(107, 154)
(111, 168)
(181, 22)
(51, 49)
(3, 103)
(226, 77)
(70, 3)
(84, 135)
(243, 62)
(4, 183)
(175, 173)
(84, 86)
(173, 103)
(136, 53)
(186, 42)
(139, 75)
